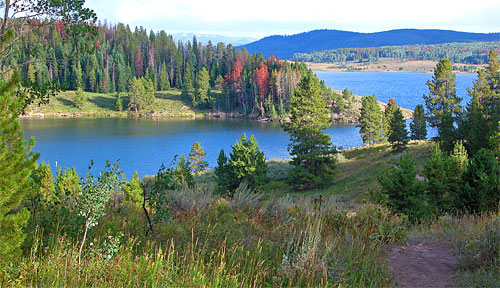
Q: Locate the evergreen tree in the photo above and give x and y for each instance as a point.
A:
(141, 94)
(311, 149)
(398, 135)
(44, 183)
(164, 85)
(80, 99)
(16, 164)
(223, 174)
(447, 132)
(246, 163)
(389, 111)
(418, 127)
(77, 81)
(202, 88)
(67, 185)
(196, 158)
(402, 192)
(182, 173)
(370, 120)
(442, 95)
(133, 190)
(119, 101)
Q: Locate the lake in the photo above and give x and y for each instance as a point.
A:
(144, 144)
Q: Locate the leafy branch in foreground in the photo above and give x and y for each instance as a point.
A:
(96, 192)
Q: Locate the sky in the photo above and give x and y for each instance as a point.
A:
(260, 18)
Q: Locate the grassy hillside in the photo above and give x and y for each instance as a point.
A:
(167, 104)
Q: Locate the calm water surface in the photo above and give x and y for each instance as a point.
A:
(144, 144)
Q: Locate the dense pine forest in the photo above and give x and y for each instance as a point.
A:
(251, 84)
(468, 53)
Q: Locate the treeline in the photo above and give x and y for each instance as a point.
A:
(469, 53)
(251, 84)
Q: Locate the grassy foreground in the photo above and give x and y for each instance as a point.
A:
(330, 238)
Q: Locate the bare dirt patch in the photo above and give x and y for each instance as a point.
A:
(423, 264)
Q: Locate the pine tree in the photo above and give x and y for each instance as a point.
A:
(196, 158)
(119, 101)
(389, 111)
(133, 190)
(202, 88)
(246, 163)
(67, 185)
(442, 95)
(164, 85)
(182, 173)
(311, 149)
(418, 127)
(44, 183)
(398, 135)
(80, 99)
(370, 121)
(447, 132)
(16, 164)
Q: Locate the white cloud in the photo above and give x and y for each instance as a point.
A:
(266, 17)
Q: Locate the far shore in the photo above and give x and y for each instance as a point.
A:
(391, 65)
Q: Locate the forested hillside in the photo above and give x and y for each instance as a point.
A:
(318, 40)
(468, 53)
(250, 83)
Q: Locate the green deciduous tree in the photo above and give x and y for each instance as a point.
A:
(418, 127)
(16, 163)
(370, 120)
(398, 135)
(196, 158)
(311, 150)
(96, 192)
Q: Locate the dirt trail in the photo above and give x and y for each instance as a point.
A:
(423, 264)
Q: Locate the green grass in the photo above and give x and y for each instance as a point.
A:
(167, 104)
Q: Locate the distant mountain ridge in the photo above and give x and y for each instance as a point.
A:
(318, 40)
(204, 38)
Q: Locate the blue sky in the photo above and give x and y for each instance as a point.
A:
(259, 18)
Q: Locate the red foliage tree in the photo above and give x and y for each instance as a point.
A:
(262, 78)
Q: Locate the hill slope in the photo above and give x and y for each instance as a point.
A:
(318, 40)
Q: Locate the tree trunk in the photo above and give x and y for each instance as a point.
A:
(83, 242)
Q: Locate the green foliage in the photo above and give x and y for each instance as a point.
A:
(398, 135)
(133, 191)
(312, 151)
(182, 173)
(141, 94)
(371, 127)
(16, 164)
(164, 83)
(96, 192)
(202, 88)
(418, 127)
(80, 99)
(481, 188)
(44, 183)
(442, 97)
(471, 53)
(67, 185)
(447, 132)
(389, 111)
(443, 175)
(196, 158)
(402, 192)
(119, 102)
(246, 163)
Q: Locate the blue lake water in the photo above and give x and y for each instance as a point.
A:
(144, 144)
